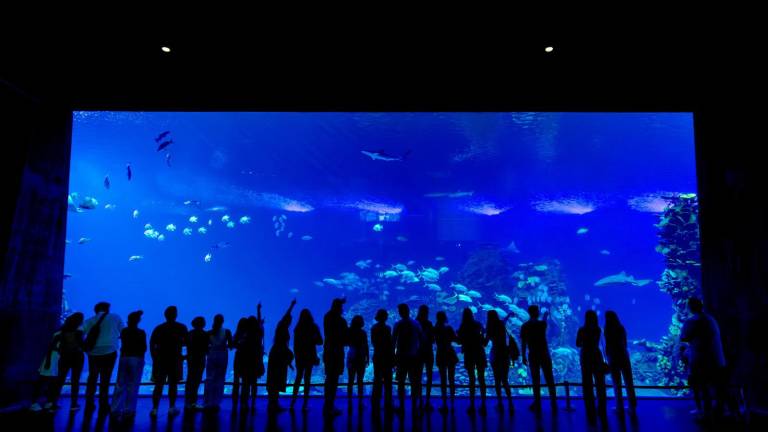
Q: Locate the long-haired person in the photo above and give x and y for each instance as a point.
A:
(496, 333)
(133, 347)
(591, 359)
(280, 359)
(472, 339)
(306, 338)
(71, 357)
(220, 342)
(357, 358)
(618, 360)
(427, 356)
(383, 360)
(446, 358)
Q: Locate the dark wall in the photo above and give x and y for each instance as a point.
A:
(35, 166)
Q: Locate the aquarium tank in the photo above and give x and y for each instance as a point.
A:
(218, 212)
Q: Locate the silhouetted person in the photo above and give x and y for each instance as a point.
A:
(535, 352)
(198, 343)
(280, 359)
(446, 358)
(591, 360)
(71, 357)
(426, 355)
(306, 338)
(472, 339)
(496, 333)
(165, 346)
(220, 342)
(618, 360)
(383, 360)
(357, 358)
(249, 359)
(130, 369)
(238, 366)
(103, 355)
(335, 330)
(705, 356)
(407, 337)
(48, 379)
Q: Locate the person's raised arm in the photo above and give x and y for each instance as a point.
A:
(290, 309)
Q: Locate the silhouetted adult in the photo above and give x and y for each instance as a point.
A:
(446, 358)
(306, 338)
(239, 365)
(71, 357)
(335, 330)
(618, 360)
(102, 355)
(496, 333)
(280, 359)
(220, 342)
(251, 351)
(426, 355)
(535, 353)
(48, 379)
(357, 358)
(705, 356)
(591, 360)
(383, 360)
(133, 347)
(198, 343)
(165, 346)
(472, 339)
(407, 337)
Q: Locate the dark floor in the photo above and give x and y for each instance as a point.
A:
(652, 415)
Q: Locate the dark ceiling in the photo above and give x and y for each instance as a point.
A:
(389, 66)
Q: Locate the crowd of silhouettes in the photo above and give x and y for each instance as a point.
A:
(409, 350)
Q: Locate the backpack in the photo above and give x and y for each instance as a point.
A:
(93, 334)
(514, 351)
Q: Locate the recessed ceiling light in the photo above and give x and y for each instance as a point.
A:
(165, 49)
(549, 49)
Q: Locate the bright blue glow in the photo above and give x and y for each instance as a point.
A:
(258, 207)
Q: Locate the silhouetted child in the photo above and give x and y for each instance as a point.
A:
(198, 343)
(407, 338)
(472, 338)
(220, 341)
(280, 359)
(165, 346)
(130, 369)
(618, 359)
(48, 379)
(535, 352)
(71, 357)
(383, 360)
(335, 330)
(591, 360)
(446, 358)
(357, 358)
(426, 355)
(306, 338)
(496, 333)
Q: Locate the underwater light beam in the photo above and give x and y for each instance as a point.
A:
(485, 208)
(568, 206)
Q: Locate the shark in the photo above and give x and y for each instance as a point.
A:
(457, 194)
(622, 278)
(384, 156)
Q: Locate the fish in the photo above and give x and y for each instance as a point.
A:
(221, 245)
(193, 219)
(67, 275)
(473, 309)
(378, 227)
(135, 214)
(106, 182)
(306, 237)
(187, 231)
(457, 194)
(67, 241)
(168, 159)
(486, 307)
(433, 287)
(135, 258)
(195, 203)
(164, 144)
(294, 290)
(331, 281)
(383, 156)
(439, 258)
(110, 206)
(210, 222)
(208, 257)
(622, 278)
(161, 237)
(402, 238)
(464, 298)
(161, 136)
(400, 267)
(71, 206)
(151, 234)
(605, 252)
(128, 171)
(245, 220)
(225, 218)
(147, 226)
(318, 283)
(502, 313)
(411, 262)
(218, 209)
(389, 274)
(459, 287)
(202, 230)
(502, 298)
(542, 267)
(474, 294)
(443, 270)
(88, 203)
(230, 224)
(290, 234)
(170, 227)
(83, 240)
(429, 276)
(512, 247)
(582, 231)
(449, 300)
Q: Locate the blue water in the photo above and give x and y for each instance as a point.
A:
(548, 173)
